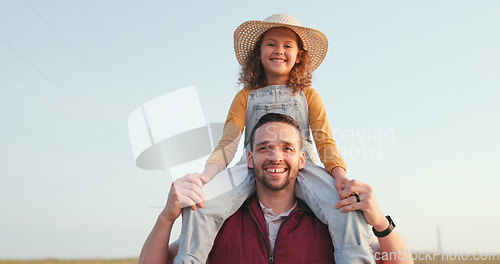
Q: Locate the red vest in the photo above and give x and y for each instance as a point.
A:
(243, 238)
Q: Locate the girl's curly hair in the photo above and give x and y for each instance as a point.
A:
(252, 75)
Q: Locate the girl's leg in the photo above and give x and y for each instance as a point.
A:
(200, 227)
(349, 231)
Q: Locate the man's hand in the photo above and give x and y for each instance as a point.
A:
(185, 191)
(390, 245)
(367, 204)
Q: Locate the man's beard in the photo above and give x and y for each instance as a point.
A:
(259, 176)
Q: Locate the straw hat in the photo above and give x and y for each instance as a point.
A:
(247, 34)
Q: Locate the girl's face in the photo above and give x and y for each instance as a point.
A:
(279, 52)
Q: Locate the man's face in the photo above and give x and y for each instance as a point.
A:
(277, 156)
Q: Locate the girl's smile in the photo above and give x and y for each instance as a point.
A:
(279, 52)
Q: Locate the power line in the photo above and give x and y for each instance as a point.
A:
(102, 36)
(37, 138)
(76, 53)
(38, 69)
(52, 82)
(49, 145)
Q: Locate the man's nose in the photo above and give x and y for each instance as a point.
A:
(276, 156)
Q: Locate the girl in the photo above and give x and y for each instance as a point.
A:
(277, 56)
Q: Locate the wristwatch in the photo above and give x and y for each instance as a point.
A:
(387, 231)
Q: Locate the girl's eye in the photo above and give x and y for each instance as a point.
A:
(270, 45)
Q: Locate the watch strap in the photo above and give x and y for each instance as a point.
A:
(387, 231)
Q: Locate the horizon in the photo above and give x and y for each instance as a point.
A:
(410, 87)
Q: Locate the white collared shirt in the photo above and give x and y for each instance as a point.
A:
(273, 222)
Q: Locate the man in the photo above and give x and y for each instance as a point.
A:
(272, 226)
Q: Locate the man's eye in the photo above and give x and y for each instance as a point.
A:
(288, 149)
(262, 148)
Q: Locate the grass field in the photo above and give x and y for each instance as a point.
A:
(469, 260)
(55, 261)
(134, 261)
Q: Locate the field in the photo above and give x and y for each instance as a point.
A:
(54, 261)
(470, 260)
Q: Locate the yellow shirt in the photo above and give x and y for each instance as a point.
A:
(320, 129)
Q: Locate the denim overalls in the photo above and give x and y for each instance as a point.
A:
(349, 231)
(279, 99)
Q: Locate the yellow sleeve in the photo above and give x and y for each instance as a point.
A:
(321, 131)
(224, 153)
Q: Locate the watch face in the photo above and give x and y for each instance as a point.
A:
(390, 221)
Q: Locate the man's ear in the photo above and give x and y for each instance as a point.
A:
(250, 160)
(302, 160)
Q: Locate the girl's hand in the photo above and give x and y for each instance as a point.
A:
(340, 182)
(202, 176)
(338, 173)
(210, 171)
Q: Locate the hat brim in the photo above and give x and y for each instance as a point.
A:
(247, 34)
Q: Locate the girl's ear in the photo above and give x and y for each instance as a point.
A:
(299, 56)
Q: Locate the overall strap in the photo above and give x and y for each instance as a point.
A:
(279, 99)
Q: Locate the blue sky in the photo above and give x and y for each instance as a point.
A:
(411, 89)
